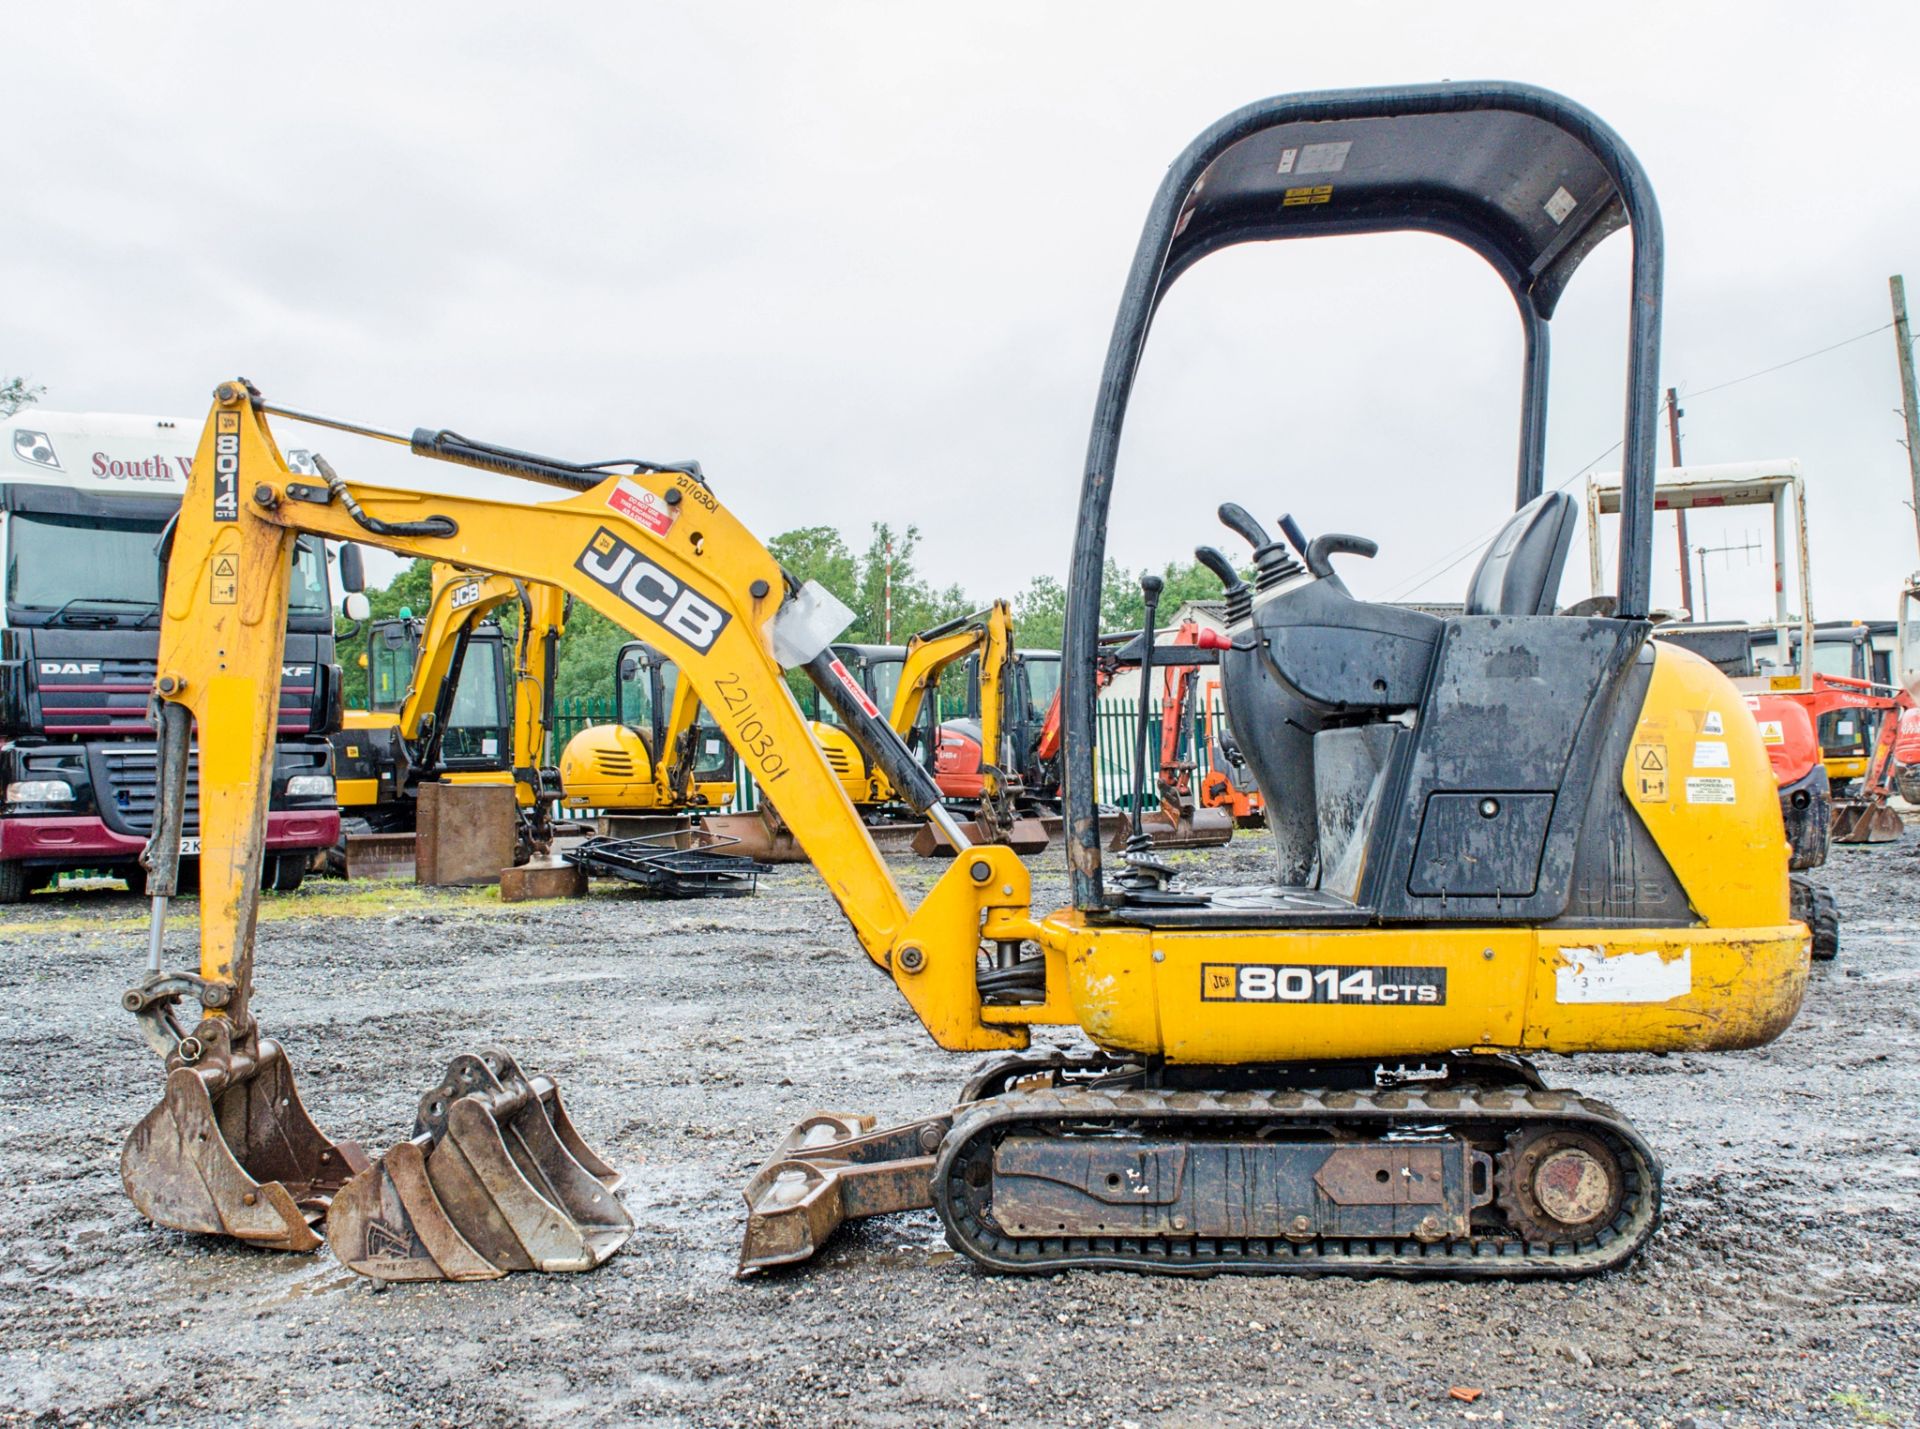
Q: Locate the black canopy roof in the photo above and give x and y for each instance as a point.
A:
(1526, 178)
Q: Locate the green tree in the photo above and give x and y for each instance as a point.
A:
(17, 392)
(1040, 614)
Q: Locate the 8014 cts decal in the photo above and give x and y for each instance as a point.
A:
(1323, 982)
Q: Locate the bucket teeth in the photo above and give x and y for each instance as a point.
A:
(832, 1168)
(1865, 821)
(230, 1149)
(495, 1179)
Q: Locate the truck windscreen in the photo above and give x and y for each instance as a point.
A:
(72, 569)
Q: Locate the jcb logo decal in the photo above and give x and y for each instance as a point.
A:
(678, 609)
(226, 466)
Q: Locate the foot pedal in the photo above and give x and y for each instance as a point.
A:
(230, 1149)
(830, 1169)
(496, 1178)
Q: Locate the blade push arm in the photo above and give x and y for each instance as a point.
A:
(656, 553)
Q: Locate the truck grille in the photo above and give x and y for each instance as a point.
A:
(125, 776)
(115, 701)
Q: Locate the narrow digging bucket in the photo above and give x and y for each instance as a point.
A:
(1865, 821)
(496, 1178)
(830, 1169)
(1203, 827)
(230, 1149)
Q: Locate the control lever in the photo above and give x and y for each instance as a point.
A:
(1239, 520)
(1239, 598)
(1321, 548)
(1150, 587)
(1272, 564)
(1297, 538)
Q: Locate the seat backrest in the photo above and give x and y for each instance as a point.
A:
(1520, 573)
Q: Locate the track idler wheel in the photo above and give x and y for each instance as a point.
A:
(230, 1149)
(495, 1179)
(1559, 1186)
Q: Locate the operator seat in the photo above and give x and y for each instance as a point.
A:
(1520, 573)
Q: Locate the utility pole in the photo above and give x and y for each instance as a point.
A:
(1909, 406)
(886, 619)
(1680, 512)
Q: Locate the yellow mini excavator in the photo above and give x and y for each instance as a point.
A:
(1503, 832)
(663, 757)
(447, 703)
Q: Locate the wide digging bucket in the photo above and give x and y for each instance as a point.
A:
(230, 1149)
(1865, 821)
(830, 1169)
(495, 1179)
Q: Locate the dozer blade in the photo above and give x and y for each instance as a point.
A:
(1865, 821)
(230, 1149)
(495, 1179)
(832, 1168)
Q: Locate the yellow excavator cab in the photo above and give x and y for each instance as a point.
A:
(661, 754)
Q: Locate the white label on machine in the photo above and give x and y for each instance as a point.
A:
(189, 845)
(1712, 723)
(1772, 732)
(1590, 975)
(1287, 156)
(1323, 158)
(1710, 754)
(489, 745)
(1560, 204)
(1709, 791)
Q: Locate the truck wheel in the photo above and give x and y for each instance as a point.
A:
(15, 883)
(1814, 905)
(286, 871)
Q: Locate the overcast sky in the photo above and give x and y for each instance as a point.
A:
(862, 261)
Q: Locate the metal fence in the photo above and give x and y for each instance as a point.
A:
(1114, 728)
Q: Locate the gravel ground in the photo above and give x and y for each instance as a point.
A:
(1780, 1290)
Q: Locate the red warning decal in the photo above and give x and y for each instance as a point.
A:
(853, 686)
(641, 506)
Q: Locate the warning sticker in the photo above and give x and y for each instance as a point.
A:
(1712, 723)
(224, 581)
(1709, 791)
(1650, 773)
(1319, 193)
(1783, 682)
(1287, 156)
(1772, 732)
(853, 686)
(1710, 754)
(1560, 204)
(1324, 158)
(641, 506)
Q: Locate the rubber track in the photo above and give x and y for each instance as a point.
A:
(1487, 1116)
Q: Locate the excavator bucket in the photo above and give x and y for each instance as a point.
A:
(230, 1149)
(1201, 826)
(833, 1168)
(1865, 821)
(495, 1179)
